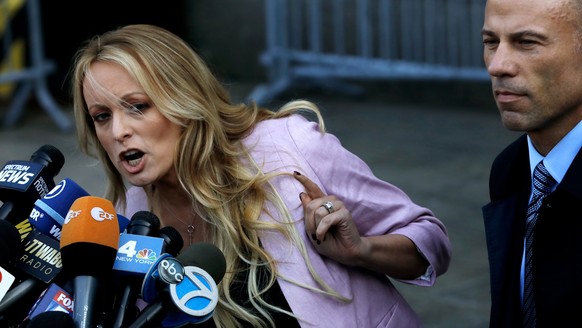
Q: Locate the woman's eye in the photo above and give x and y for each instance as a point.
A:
(140, 107)
(100, 117)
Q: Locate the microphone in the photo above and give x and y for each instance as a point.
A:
(196, 296)
(139, 250)
(173, 241)
(192, 276)
(41, 233)
(23, 182)
(142, 223)
(25, 291)
(40, 257)
(207, 257)
(40, 260)
(52, 319)
(49, 212)
(89, 241)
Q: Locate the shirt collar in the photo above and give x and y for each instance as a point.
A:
(561, 156)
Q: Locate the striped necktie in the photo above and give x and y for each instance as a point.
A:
(542, 185)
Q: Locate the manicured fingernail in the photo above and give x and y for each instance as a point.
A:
(296, 173)
(301, 195)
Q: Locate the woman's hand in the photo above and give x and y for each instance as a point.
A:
(332, 230)
(334, 234)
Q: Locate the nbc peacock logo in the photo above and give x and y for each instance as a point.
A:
(146, 254)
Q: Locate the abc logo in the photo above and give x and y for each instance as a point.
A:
(171, 271)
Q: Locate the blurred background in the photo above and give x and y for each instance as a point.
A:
(401, 83)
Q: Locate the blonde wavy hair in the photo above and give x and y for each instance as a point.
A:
(229, 195)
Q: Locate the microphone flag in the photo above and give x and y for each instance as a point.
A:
(196, 294)
(49, 212)
(6, 280)
(54, 298)
(41, 257)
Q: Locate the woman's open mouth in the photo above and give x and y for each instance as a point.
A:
(133, 157)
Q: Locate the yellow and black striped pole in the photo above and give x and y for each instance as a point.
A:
(12, 53)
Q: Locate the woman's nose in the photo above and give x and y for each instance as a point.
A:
(121, 128)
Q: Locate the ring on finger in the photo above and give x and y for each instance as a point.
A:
(329, 207)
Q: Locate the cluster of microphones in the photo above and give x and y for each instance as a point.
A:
(67, 259)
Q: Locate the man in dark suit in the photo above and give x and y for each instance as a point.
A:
(533, 53)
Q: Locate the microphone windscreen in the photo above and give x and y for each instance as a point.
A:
(50, 157)
(173, 241)
(207, 257)
(52, 319)
(90, 236)
(144, 223)
(91, 219)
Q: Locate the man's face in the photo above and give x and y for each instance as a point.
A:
(532, 51)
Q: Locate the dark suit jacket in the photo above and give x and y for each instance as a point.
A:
(557, 242)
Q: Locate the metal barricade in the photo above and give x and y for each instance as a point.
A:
(330, 42)
(31, 78)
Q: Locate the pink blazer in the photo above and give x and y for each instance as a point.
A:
(378, 207)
